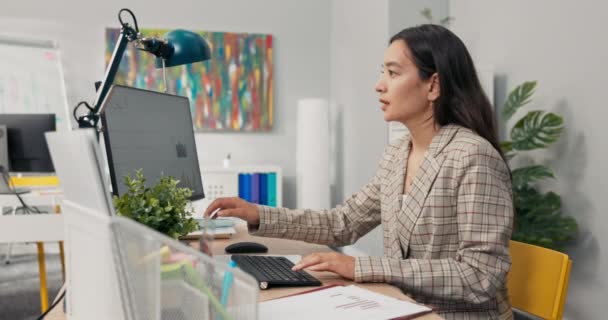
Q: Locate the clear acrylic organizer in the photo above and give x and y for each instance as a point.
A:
(161, 278)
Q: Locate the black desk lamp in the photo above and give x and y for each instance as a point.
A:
(178, 47)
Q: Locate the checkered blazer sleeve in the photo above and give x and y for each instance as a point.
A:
(339, 226)
(478, 269)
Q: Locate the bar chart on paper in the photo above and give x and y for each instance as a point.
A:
(340, 302)
(349, 301)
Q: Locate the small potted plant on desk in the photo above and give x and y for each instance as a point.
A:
(162, 207)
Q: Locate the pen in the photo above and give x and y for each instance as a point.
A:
(226, 285)
(214, 213)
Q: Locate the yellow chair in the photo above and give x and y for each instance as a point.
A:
(538, 280)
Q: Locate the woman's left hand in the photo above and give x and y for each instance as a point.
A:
(329, 261)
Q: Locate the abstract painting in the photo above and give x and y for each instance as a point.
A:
(233, 91)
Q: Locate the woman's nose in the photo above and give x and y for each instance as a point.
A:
(380, 86)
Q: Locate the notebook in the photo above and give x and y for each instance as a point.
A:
(340, 302)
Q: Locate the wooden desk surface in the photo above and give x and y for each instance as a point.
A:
(289, 247)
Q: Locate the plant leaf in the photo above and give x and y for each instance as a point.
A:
(545, 208)
(519, 97)
(162, 207)
(507, 149)
(426, 13)
(526, 175)
(446, 21)
(539, 219)
(536, 129)
(506, 146)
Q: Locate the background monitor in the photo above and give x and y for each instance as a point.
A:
(27, 149)
(151, 131)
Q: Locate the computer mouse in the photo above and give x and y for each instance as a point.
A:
(246, 247)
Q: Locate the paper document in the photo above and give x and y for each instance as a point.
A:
(340, 302)
(224, 232)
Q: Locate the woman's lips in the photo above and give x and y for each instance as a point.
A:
(384, 104)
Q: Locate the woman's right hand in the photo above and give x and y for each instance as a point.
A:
(235, 207)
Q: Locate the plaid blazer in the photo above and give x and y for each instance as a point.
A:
(446, 242)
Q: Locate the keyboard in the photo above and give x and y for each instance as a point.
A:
(274, 272)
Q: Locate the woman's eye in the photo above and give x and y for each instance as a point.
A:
(390, 72)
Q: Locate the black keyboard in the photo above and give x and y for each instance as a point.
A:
(274, 272)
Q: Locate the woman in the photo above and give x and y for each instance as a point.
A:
(442, 193)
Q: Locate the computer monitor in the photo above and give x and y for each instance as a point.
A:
(151, 131)
(27, 149)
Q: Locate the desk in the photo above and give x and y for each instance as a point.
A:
(37, 228)
(30, 227)
(286, 247)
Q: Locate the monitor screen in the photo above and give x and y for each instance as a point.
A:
(151, 131)
(27, 149)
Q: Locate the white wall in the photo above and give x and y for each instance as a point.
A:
(407, 13)
(359, 35)
(301, 51)
(562, 45)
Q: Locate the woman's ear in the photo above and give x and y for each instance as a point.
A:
(434, 88)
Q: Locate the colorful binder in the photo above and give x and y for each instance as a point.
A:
(241, 185)
(255, 188)
(263, 188)
(272, 189)
(247, 186)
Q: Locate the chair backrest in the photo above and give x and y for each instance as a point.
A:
(538, 280)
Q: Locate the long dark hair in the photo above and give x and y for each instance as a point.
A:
(462, 101)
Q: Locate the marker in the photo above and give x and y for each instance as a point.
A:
(226, 284)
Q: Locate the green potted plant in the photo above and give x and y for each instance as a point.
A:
(162, 207)
(538, 215)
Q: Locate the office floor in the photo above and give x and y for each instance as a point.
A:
(19, 282)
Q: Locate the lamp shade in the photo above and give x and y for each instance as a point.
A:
(188, 47)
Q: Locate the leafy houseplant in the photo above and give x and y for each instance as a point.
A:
(161, 207)
(538, 215)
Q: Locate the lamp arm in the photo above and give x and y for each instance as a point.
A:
(108, 79)
(164, 50)
(127, 34)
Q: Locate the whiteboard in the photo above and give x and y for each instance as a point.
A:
(31, 79)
